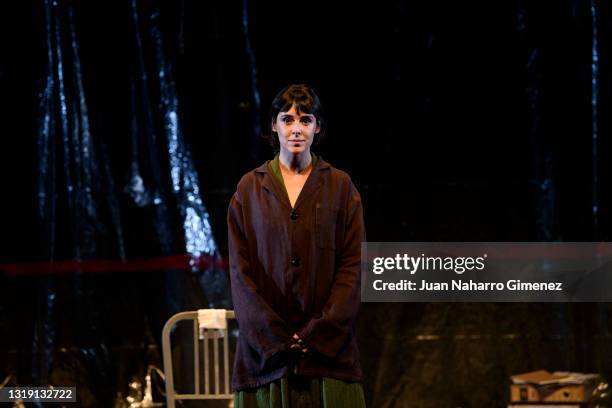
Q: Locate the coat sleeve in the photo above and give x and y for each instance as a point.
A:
(265, 332)
(328, 333)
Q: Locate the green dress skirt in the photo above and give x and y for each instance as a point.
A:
(302, 392)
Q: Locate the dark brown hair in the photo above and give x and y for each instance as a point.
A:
(305, 100)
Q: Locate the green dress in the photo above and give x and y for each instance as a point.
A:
(299, 391)
(302, 392)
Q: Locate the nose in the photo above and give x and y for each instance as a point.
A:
(296, 129)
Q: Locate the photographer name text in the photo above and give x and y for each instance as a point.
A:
(462, 285)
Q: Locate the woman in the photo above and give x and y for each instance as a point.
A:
(295, 230)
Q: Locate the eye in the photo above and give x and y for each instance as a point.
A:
(287, 119)
(307, 120)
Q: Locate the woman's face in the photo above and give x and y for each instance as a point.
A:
(296, 131)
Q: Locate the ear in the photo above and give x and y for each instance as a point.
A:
(274, 126)
(318, 129)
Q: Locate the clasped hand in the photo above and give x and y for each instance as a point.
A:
(298, 344)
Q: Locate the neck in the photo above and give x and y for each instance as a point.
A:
(295, 163)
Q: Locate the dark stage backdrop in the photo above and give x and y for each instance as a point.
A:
(126, 126)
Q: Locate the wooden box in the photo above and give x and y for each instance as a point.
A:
(542, 386)
(566, 393)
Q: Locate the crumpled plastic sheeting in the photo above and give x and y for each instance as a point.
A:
(146, 184)
(73, 168)
(594, 120)
(256, 109)
(544, 163)
(197, 230)
(542, 155)
(80, 216)
(166, 149)
(185, 185)
(75, 191)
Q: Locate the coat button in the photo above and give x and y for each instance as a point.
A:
(295, 261)
(294, 215)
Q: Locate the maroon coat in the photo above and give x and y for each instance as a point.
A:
(295, 270)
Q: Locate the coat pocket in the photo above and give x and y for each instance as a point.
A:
(325, 226)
